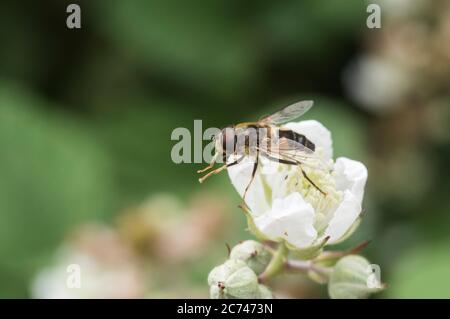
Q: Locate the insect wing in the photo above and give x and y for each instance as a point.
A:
(300, 153)
(288, 113)
(293, 151)
(288, 145)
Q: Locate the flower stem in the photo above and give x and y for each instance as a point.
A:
(276, 265)
(306, 266)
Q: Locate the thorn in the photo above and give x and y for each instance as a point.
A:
(228, 249)
(359, 247)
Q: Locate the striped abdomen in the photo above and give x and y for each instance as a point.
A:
(299, 138)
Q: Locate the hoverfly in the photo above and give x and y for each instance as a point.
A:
(268, 139)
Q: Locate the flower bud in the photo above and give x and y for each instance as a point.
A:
(353, 278)
(234, 279)
(254, 254)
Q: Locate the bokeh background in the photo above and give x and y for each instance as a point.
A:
(86, 118)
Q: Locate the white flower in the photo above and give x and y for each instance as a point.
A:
(377, 83)
(284, 206)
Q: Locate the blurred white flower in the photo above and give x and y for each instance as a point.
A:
(284, 206)
(107, 267)
(376, 83)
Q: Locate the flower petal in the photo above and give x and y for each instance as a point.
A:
(275, 176)
(291, 219)
(317, 133)
(256, 198)
(350, 175)
(344, 217)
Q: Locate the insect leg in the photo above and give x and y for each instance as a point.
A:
(255, 166)
(211, 164)
(309, 179)
(221, 168)
(312, 183)
(283, 161)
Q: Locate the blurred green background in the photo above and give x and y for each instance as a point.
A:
(86, 117)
